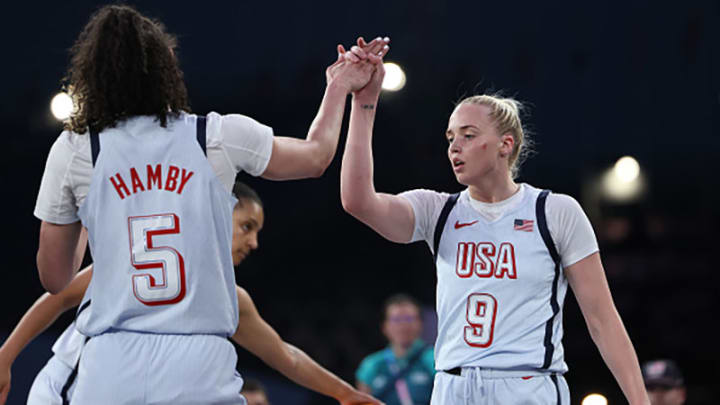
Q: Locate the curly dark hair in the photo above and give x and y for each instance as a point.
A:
(123, 65)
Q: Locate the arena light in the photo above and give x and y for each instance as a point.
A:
(627, 169)
(624, 182)
(394, 77)
(594, 399)
(61, 106)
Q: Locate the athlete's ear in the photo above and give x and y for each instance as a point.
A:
(507, 143)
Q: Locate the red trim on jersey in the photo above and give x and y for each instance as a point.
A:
(485, 251)
(465, 269)
(474, 326)
(158, 265)
(504, 265)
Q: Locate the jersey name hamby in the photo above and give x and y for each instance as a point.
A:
(174, 180)
(485, 260)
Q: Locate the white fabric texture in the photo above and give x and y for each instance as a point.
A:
(234, 143)
(569, 227)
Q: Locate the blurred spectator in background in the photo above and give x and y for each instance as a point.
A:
(254, 393)
(402, 373)
(664, 382)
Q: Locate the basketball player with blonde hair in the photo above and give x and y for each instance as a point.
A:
(505, 253)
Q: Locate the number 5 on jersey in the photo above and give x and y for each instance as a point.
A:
(144, 255)
(480, 314)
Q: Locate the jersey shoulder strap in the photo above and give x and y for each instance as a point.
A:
(542, 225)
(442, 219)
(201, 129)
(94, 145)
(554, 304)
(201, 125)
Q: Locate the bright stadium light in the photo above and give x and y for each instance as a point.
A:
(61, 106)
(394, 77)
(624, 182)
(627, 169)
(594, 399)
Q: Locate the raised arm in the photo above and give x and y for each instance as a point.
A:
(41, 315)
(259, 338)
(60, 253)
(294, 158)
(588, 282)
(389, 215)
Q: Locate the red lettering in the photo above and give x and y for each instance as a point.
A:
(462, 267)
(485, 251)
(136, 183)
(184, 179)
(154, 177)
(120, 186)
(506, 261)
(171, 181)
(484, 260)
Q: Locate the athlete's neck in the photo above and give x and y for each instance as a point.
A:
(400, 350)
(491, 190)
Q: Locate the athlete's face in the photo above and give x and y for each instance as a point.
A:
(402, 324)
(476, 149)
(666, 396)
(248, 220)
(256, 398)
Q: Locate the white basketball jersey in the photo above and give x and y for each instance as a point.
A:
(68, 346)
(499, 291)
(160, 233)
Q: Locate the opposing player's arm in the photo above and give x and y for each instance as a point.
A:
(259, 338)
(41, 315)
(589, 284)
(60, 253)
(389, 215)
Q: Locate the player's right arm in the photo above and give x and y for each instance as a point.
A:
(293, 158)
(41, 315)
(255, 335)
(389, 215)
(362, 387)
(61, 249)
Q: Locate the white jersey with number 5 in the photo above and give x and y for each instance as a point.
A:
(499, 291)
(159, 224)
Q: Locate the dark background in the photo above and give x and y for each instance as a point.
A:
(603, 80)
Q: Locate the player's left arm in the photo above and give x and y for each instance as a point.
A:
(589, 284)
(255, 335)
(41, 315)
(60, 254)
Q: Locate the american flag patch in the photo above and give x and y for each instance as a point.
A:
(525, 225)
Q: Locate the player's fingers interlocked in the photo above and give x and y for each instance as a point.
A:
(354, 71)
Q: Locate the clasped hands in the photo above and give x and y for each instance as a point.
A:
(360, 70)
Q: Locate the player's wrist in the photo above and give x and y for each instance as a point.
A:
(365, 102)
(6, 358)
(342, 391)
(338, 86)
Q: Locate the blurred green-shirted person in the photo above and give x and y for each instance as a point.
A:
(402, 373)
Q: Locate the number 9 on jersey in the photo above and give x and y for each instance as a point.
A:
(480, 315)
